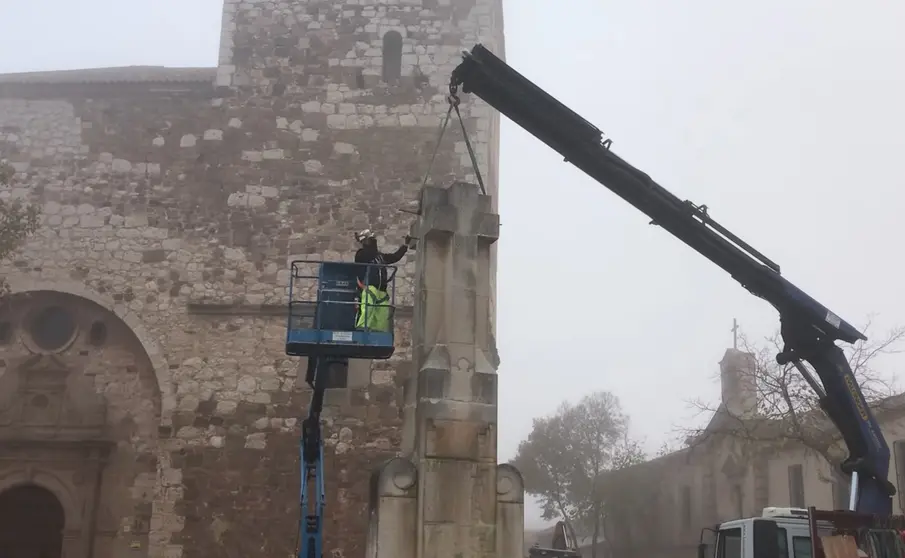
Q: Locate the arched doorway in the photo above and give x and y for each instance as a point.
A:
(31, 523)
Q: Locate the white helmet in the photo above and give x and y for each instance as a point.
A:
(361, 236)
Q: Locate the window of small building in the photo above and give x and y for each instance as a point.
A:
(841, 493)
(392, 57)
(796, 486)
(686, 507)
(739, 500)
(898, 451)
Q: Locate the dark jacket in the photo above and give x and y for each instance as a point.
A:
(377, 276)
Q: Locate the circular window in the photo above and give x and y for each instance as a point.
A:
(52, 328)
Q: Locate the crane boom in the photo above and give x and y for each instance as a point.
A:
(809, 330)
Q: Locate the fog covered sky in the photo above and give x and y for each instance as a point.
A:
(785, 118)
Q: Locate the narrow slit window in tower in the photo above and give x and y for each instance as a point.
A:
(392, 57)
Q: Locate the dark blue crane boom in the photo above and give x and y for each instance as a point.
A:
(809, 330)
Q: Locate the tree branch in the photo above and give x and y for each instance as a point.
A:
(788, 410)
(18, 220)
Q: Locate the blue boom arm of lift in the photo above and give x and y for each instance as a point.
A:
(808, 328)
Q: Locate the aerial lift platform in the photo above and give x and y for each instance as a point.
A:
(324, 316)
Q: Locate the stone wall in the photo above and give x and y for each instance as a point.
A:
(177, 205)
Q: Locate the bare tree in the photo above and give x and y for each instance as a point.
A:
(788, 411)
(567, 456)
(17, 221)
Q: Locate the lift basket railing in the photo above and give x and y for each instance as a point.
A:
(338, 297)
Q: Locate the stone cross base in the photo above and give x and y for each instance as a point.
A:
(449, 498)
(445, 527)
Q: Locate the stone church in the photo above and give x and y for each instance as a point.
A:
(147, 407)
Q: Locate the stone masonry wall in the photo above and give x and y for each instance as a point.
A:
(178, 206)
(320, 64)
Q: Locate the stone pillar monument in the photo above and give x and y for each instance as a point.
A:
(447, 497)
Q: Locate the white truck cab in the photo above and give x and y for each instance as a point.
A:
(778, 533)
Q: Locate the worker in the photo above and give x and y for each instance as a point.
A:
(374, 309)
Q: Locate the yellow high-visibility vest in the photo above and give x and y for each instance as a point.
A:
(374, 310)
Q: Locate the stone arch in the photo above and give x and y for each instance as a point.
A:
(20, 284)
(50, 482)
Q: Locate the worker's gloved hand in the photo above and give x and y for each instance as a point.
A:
(409, 241)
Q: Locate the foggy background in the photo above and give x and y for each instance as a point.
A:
(785, 118)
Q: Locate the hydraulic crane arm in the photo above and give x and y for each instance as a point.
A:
(809, 329)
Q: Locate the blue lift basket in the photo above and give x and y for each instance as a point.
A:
(325, 306)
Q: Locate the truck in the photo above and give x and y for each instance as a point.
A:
(778, 532)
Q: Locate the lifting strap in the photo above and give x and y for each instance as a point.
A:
(453, 100)
(430, 165)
